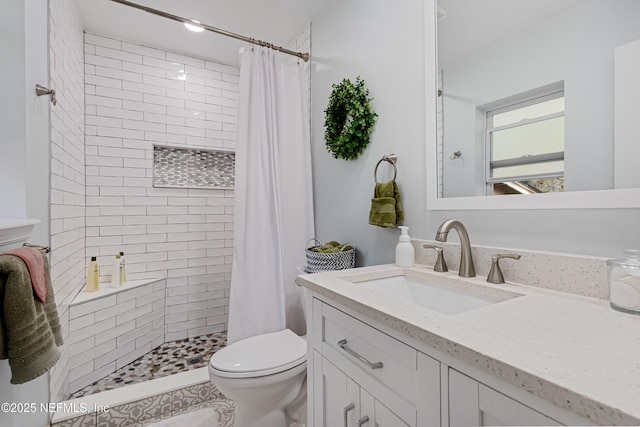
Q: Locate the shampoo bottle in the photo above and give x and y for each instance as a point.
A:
(116, 274)
(93, 276)
(123, 279)
(405, 254)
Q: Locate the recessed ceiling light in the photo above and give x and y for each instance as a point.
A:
(194, 28)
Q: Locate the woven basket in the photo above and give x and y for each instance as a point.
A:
(318, 261)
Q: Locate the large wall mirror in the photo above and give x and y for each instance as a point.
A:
(538, 98)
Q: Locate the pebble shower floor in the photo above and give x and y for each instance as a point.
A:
(168, 359)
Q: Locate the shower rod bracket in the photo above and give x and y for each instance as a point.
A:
(41, 91)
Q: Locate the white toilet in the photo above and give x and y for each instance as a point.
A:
(265, 376)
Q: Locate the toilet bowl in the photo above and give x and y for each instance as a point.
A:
(263, 375)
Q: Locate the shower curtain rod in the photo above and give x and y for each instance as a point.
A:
(303, 56)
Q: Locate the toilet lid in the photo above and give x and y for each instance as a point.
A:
(274, 352)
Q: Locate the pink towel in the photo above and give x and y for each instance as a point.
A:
(32, 257)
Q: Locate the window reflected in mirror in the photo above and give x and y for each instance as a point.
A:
(525, 143)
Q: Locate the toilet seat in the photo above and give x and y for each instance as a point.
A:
(260, 355)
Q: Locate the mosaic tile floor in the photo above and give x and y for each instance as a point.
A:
(170, 358)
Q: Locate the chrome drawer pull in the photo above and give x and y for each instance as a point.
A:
(347, 408)
(363, 421)
(343, 345)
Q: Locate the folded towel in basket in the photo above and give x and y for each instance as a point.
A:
(332, 248)
(29, 329)
(386, 205)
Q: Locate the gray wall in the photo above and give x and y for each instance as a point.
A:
(37, 151)
(357, 38)
(12, 110)
(25, 161)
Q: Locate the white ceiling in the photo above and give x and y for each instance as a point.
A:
(273, 21)
(471, 25)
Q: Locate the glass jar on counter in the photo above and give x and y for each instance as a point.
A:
(624, 282)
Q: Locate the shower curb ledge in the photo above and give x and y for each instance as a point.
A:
(144, 403)
(106, 290)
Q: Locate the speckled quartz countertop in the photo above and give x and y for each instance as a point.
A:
(573, 351)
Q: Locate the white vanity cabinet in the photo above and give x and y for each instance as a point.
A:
(361, 375)
(472, 403)
(345, 403)
(364, 377)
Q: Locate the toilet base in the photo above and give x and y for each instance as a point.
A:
(296, 412)
(252, 415)
(249, 417)
(276, 418)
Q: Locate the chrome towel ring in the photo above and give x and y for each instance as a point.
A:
(391, 158)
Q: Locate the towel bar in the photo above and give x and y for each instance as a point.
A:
(391, 158)
(47, 249)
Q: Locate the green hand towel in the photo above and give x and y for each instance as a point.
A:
(399, 211)
(383, 212)
(386, 205)
(29, 329)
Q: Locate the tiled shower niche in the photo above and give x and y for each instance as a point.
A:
(175, 167)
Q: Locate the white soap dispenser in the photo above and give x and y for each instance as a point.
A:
(405, 254)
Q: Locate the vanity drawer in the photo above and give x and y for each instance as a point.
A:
(368, 354)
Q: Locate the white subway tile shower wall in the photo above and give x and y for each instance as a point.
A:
(138, 96)
(67, 172)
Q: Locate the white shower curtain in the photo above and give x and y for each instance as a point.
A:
(273, 214)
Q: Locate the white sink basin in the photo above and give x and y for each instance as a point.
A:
(434, 296)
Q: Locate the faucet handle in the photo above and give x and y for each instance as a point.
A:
(495, 275)
(440, 266)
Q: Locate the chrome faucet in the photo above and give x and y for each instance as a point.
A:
(466, 260)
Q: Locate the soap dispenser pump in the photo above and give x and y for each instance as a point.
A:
(405, 254)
